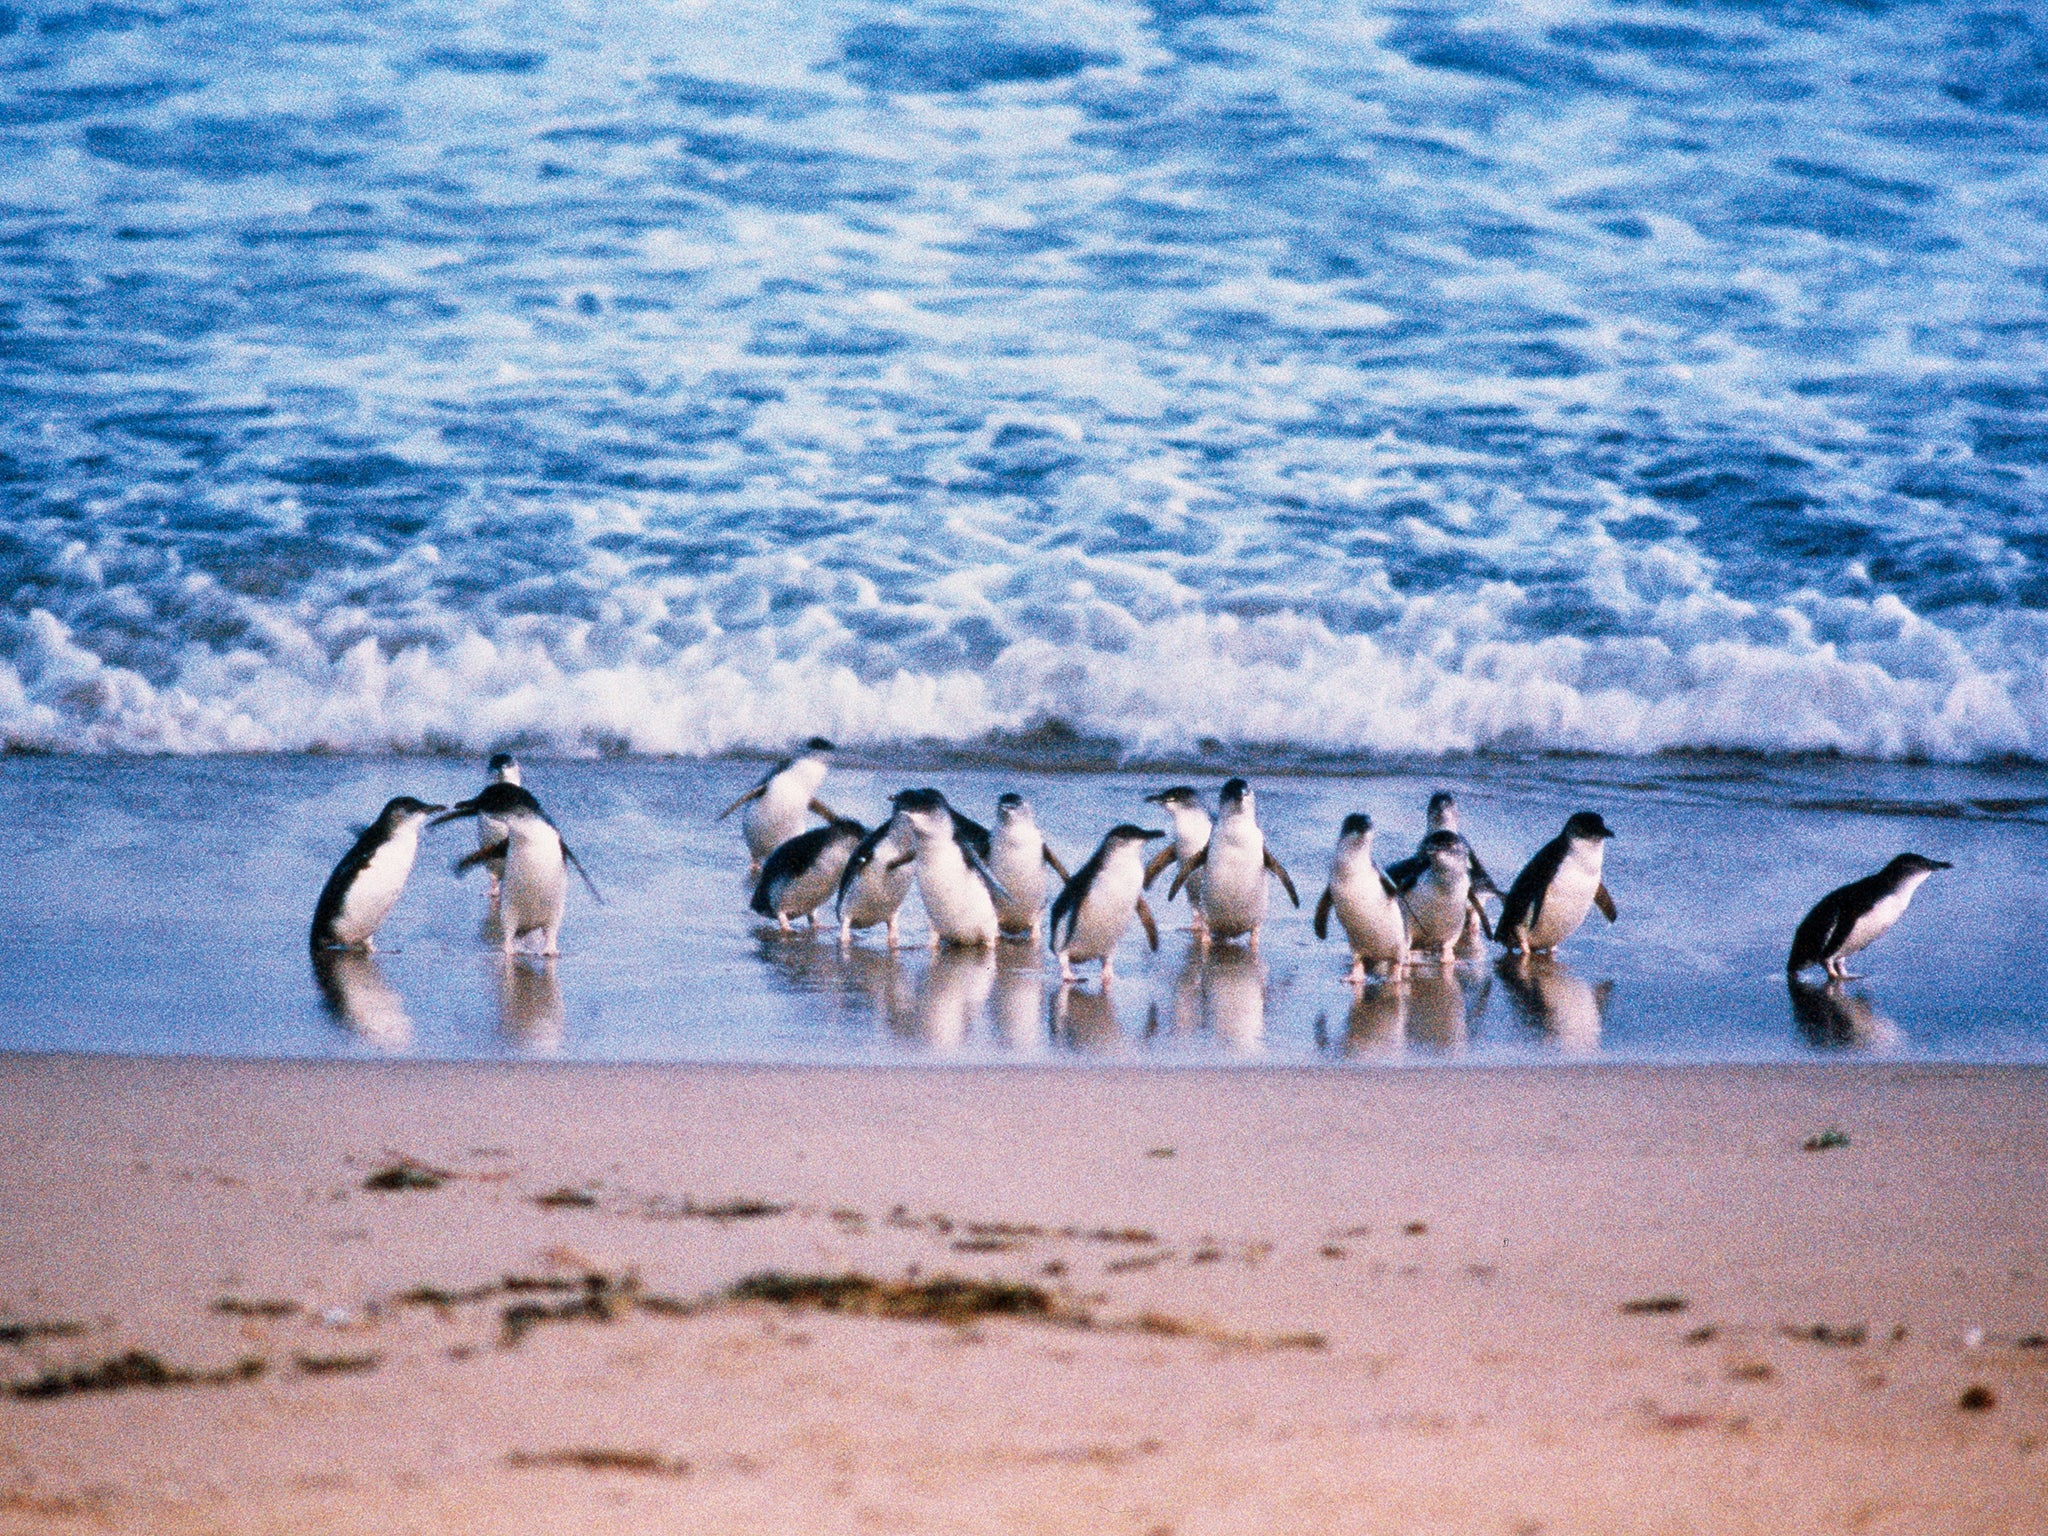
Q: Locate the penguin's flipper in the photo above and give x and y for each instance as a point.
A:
(827, 812)
(1482, 882)
(1286, 880)
(753, 794)
(896, 864)
(589, 884)
(1605, 903)
(1160, 860)
(1323, 913)
(1054, 860)
(469, 861)
(1186, 869)
(979, 865)
(1387, 884)
(1151, 927)
(1485, 927)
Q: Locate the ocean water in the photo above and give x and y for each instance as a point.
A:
(161, 905)
(1345, 380)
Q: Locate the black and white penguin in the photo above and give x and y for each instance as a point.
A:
(366, 884)
(1437, 898)
(878, 875)
(1365, 901)
(1191, 828)
(535, 888)
(1557, 888)
(503, 769)
(1857, 915)
(1020, 858)
(1442, 816)
(1233, 867)
(954, 881)
(1097, 903)
(778, 806)
(802, 874)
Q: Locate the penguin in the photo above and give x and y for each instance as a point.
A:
(954, 881)
(366, 884)
(1438, 896)
(1442, 816)
(1020, 858)
(1557, 888)
(877, 877)
(503, 769)
(803, 873)
(1096, 904)
(537, 861)
(1365, 901)
(1191, 828)
(1234, 866)
(1857, 915)
(777, 806)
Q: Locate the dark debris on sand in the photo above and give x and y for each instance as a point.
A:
(601, 1459)
(135, 1368)
(17, 1334)
(406, 1174)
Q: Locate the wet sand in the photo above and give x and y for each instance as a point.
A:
(1494, 1300)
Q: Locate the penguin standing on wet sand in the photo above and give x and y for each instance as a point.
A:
(1097, 903)
(1442, 816)
(1019, 856)
(954, 881)
(1234, 866)
(1365, 901)
(1191, 829)
(536, 883)
(802, 874)
(878, 875)
(365, 885)
(1437, 898)
(1557, 888)
(1857, 915)
(503, 769)
(786, 795)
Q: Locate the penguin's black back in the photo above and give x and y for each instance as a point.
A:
(1827, 927)
(793, 857)
(1524, 902)
(1066, 907)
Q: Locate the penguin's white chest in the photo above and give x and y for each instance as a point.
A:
(376, 887)
(1570, 896)
(1877, 922)
(1111, 903)
(877, 891)
(1435, 905)
(955, 899)
(783, 808)
(1372, 919)
(1234, 881)
(536, 882)
(1018, 860)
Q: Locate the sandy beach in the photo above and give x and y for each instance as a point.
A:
(1499, 1300)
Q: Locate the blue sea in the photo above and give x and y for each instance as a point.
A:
(1560, 401)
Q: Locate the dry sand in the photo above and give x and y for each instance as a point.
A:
(1465, 1242)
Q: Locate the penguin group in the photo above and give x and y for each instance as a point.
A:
(984, 887)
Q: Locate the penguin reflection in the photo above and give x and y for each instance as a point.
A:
(1234, 997)
(1436, 1010)
(1018, 1007)
(955, 989)
(877, 983)
(1830, 1018)
(1550, 1000)
(1377, 1024)
(530, 1011)
(1086, 1021)
(359, 999)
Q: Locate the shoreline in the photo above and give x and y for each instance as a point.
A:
(1209, 1301)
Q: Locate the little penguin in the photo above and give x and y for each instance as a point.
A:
(1097, 903)
(1191, 828)
(1437, 897)
(954, 881)
(1557, 888)
(1234, 867)
(1020, 858)
(1857, 915)
(1442, 816)
(877, 877)
(535, 889)
(366, 884)
(503, 769)
(787, 793)
(1365, 901)
(802, 873)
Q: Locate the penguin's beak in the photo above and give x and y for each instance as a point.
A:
(1150, 835)
(466, 808)
(1941, 864)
